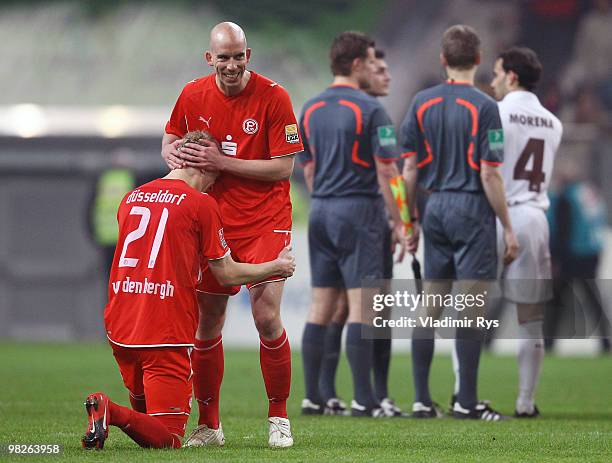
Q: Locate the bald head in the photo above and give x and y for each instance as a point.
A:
(228, 55)
(227, 34)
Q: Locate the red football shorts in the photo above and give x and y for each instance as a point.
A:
(252, 250)
(162, 377)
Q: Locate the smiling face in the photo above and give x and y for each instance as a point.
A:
(229, 56)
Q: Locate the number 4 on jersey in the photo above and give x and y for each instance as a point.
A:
(536, 176)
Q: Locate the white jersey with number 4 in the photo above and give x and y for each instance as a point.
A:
(531, 137)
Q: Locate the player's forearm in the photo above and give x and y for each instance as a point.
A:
(493, 185)
(384, 173)
(272, 170)
(309, 175)
(239, 273)
(410, 180)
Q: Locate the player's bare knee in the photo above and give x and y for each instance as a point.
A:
(268, 324)
(209, 327)
(529, 313)
(212, 305)
(341, 314)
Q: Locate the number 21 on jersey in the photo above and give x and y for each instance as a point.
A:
(134, 235)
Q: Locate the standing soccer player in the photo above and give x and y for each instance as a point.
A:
(253, 119)
(167, 228)
(453, 138)
(349, 159)
(377, 87)
(532, 135)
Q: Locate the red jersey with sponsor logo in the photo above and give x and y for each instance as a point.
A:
(166, 228)
(258, 123)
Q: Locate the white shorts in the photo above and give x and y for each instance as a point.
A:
(527, 279)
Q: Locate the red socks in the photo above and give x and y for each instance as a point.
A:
(146, 431)
(275, 360)
(207, 363)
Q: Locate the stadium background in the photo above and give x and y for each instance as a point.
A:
(88, 83)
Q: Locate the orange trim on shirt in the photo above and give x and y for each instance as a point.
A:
(358, 116)
(355, 156)
(429, 157)
(424, 107)
(474, 113)
(419, 114)
(490, 163)
(408, 154)
(308, 113)
(358, 128)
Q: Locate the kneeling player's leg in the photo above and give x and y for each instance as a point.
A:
(274, 351)
(168, 386)
(207, 358)
(530, 354)
(147, 431)
(131, 372)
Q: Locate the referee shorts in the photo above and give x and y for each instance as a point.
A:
(460, 237)
(346, 241)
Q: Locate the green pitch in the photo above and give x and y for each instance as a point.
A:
(42, 388)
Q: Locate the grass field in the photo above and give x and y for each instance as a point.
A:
(42, 388)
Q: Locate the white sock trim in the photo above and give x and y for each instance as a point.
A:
(277, 347)
(202, 349)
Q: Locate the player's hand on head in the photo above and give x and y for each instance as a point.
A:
(205, 156)
(286, 262)
(170, 154)
(512, 246)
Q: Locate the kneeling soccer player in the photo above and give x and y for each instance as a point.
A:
(167, 230)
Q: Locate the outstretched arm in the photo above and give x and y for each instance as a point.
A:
(229, 272)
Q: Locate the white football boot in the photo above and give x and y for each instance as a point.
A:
(203, 436)
(280, 432)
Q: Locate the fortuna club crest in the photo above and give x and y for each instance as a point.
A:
(250, 126)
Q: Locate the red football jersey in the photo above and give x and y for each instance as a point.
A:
(258, 123)
(165, 228)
